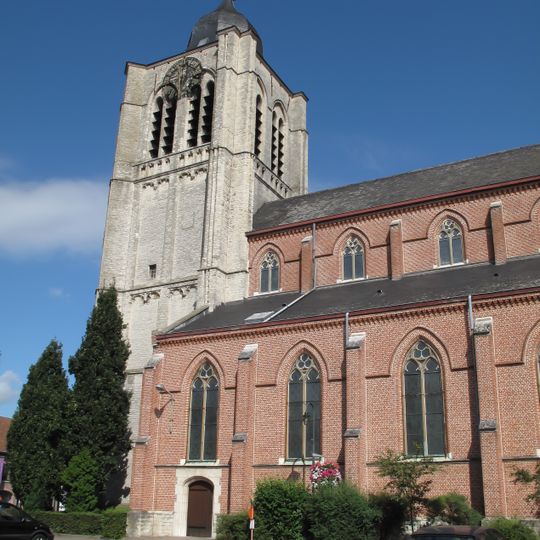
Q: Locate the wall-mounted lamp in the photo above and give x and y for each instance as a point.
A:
(161, 388)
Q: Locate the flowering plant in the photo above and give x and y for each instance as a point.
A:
(324, 473)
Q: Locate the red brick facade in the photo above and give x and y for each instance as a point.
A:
(489, 371)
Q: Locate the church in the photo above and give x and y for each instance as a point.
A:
(271, 327)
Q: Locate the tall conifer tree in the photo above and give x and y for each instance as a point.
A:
(35, 438)
(100, 404)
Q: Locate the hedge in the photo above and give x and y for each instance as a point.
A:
(109, 524)
(232, 526)
(512, 529)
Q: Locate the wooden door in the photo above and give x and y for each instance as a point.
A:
(199, 522)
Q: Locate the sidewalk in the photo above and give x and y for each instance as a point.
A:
(83, 537)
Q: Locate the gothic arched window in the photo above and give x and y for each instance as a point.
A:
(258, 127)
(423, 400)
(203, 415)
(353, 259)
(450, 243)
(157, 118)
(207, 113)
(270, 273)
(304, 409)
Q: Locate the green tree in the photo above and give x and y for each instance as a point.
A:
(407, 480)
(523, 476)
(453, 509)
(99, 415)
(37, 433)
(80, 480)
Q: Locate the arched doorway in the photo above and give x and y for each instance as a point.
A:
(199, 519)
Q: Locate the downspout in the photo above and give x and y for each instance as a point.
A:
(313, 255)
(347, 333)
(471, 316)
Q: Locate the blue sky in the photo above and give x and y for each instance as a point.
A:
(393, 86)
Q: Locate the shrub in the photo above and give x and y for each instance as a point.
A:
(80, 479)
(87, 523)
(233, 526)
(512, 529)
(341, 511)
(279, 510)
(392, 512)
(114, 522)
(453, 509)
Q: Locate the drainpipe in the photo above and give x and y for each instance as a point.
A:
(471, 316)
(313, 255)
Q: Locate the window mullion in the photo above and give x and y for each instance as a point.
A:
(304, 411)
(424, 411)
(203, 421)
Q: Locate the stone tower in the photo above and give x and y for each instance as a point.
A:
(205, 138)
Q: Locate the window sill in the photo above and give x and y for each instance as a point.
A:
(259, 293)
(191, 463)
(435, 459)
(286, 462)
(352, 280)
(440, 266)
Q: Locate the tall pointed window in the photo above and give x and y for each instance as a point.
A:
(270, 273)
(424, 408)
(258, 127)
(157, 117)
(450, 243)
(304, 409)
(194, 117)
(207, 113)
(353, 259)
(203, 415)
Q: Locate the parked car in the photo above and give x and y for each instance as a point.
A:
(18, 525)
(456, 532)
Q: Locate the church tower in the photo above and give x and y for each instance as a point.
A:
(205, 138)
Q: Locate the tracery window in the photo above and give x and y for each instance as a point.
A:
(423, 401)
(203, 415)
(270, 273)
(304, 409)
(353, 259)
(450, 243)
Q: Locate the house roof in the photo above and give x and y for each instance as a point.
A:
(446, 284)
(454, 177)
(4, 428)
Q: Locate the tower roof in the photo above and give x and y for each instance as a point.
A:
(225, 16)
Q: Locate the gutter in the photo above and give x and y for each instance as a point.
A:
(339, 315)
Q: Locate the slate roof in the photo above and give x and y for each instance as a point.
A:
(377, 294)
(225, 16)
(4, 428)
(482, 171)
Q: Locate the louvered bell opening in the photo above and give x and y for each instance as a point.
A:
(281, 151)
(156, 129)
(258, 127)
(168, 130)
(208, 114)
(193, 121)
(275, 143)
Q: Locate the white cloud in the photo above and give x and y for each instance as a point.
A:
(53, 215)
(56, 292)
(8, 383)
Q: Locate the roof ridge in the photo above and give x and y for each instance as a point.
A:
(403, 174)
